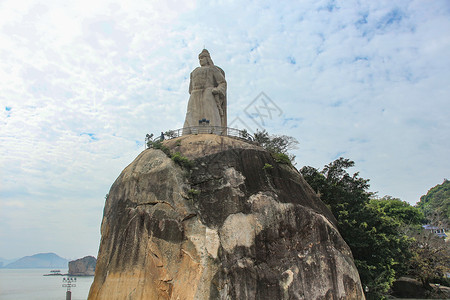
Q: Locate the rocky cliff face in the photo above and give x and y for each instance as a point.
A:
(82, 267)
(226, 229)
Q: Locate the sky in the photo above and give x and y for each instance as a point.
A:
(82, 83)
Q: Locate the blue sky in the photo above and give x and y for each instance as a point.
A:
(83, 83)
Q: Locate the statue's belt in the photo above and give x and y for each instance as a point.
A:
(202, 88)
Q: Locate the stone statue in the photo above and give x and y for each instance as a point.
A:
(208, 100)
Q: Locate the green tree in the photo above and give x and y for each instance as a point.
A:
(399, 210)
(431, 258)
(429, 255)
(379, 248)
(277, 144)
(436, 204)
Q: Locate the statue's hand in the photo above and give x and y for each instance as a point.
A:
(215, 91)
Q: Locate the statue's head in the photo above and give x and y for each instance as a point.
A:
(205, 58)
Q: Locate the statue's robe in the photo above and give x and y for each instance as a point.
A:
(202, 103)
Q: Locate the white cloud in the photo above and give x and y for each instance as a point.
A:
(83, 82)
(16, 204)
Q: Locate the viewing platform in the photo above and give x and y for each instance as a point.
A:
(201, 129)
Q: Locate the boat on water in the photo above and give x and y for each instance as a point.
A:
(54, 273)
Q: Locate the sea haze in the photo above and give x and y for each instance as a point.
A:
(25, 284)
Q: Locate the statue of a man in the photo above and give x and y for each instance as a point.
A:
(208, 100)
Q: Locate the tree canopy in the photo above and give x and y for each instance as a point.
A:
(372, 228)
(431, 258)
(399, 210)
(436, 204)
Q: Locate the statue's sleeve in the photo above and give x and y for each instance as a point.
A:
(219, 78)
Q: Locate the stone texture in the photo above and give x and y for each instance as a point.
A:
(208, 95)
(82, 267)
(226, 229)
(406, 287)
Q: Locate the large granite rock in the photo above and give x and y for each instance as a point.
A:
(82, 267)
(406, 287)
(226, 229)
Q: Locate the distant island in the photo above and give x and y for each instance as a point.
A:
(83, 267)
(39, 261)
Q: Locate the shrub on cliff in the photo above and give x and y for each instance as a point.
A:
(182, 160)
(279, 145)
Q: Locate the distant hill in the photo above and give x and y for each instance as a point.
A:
(4, 261)
(436, 204)
(41, 260)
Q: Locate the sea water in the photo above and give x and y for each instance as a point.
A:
(30, 284)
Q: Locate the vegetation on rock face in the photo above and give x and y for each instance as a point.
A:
(149, 140)
(156, 144)
(182, 160)
(170, 134)
(267, 166)
(279, 145)
(282, 158)
(193, 193)
(176, 157)
(436, 204)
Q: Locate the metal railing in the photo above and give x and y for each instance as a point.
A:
(201, 129)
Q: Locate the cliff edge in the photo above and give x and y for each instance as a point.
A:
(235, 225)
